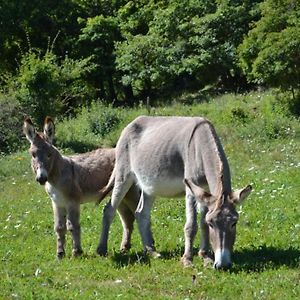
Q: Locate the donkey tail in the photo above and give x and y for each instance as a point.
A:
(107, 189)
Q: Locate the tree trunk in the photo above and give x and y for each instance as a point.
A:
(128, 93)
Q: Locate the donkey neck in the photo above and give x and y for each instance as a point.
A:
(215, 163)
(59, 166)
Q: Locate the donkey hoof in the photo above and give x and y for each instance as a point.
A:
(125, 248)
(207, 261)
(76, 252)
(155, 254)
(102, 251)
(203, 253)
(187, 262)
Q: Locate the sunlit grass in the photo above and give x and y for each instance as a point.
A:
(266, 261)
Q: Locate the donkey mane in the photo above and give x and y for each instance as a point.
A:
(220, 172)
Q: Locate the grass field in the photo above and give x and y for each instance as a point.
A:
(262, 143)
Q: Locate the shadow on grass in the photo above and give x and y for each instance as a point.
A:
(246, 260)
(121, 259)
(264, 258)
(130, 258)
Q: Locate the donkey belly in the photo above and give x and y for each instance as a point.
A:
(159, 170)
(161, 184)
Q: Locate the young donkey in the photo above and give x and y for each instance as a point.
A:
(170, 156)
(73, 180)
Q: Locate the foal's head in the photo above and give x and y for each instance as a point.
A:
(42, 152)
(221, 219)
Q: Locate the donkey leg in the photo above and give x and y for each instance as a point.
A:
(73, 225)
(190, 229)
(143, 218)
(127, 219)
(120, 189)
(204, 244)
(60, 229)
(127, 210)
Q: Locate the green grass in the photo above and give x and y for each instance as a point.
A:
(263, 147)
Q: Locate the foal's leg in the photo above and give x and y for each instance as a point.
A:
(143, 218)
(127, 210)
(73, 225)
(127, 219)
(60, 228)
(190, 229)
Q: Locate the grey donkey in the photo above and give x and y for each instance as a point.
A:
(175, 156)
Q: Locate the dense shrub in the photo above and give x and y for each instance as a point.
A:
(95, 125)
(11, 119)
(44, 86)
(104, 122)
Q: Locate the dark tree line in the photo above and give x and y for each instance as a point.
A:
(69, 52)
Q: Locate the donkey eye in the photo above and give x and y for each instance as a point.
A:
(233, 224)
(33, 154)
(210, 224)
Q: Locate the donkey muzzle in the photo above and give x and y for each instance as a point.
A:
(218, 266)
(41, 176)
(222, 259)
(41, 180)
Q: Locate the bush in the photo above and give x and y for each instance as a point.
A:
(11, 120)
(44, 86)
(104, 122)
(95, 125)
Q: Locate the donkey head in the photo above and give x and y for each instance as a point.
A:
(221, 219)
(41, 149)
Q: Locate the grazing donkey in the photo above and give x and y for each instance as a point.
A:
(170, 156)
(73, 180)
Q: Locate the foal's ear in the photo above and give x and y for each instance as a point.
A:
(49, 129)
(239, 196)
(29, 130)
(200, 194)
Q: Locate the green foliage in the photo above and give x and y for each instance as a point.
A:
(29, 19)
(269, 55)
(185, 41)
(104, 123)
(11, 116)
(142, 49)
(94, 126)
(97, 40)
(43, 86)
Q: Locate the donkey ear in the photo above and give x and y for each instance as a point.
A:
(49, 129)
(200, 194)
(29, 130)
(239, 196)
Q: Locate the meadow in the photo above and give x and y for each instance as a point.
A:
(262, 142)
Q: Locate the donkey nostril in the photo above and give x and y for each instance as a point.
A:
(218, 266)
(41, 180)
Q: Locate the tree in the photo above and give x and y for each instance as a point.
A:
(270, 55)
(25, 24)
(182, 43)
(98, 37)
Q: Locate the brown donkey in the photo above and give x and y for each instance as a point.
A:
(73, 180)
